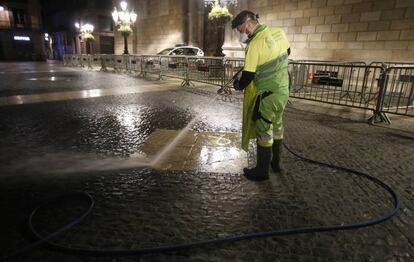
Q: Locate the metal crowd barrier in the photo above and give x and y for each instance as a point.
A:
(121, 63)
(389, 64)
(174, 66)
(85, 60)
(209, 70)
(67, 59)
(75, 60)
(233, 66)
(151, 64)
(397, 96)
(134, 65)
(95, 61)
(341, 84)
(379, 87)
(107, 62)
(331, 62)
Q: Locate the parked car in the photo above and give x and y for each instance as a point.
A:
(182, 50)
(172, 57)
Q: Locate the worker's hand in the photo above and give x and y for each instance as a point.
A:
(236, 84)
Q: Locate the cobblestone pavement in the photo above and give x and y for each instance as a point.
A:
(139, 206)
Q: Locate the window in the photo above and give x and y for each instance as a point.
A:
(178, 51)
(105, 24)
(19, 17)
(107, 44)
(190, 51)
(165, 51)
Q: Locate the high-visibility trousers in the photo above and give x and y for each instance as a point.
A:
(270, 125)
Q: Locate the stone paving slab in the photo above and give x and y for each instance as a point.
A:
(197, 151)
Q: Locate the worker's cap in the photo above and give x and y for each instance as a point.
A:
(242, 17)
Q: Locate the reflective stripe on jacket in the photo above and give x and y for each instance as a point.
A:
(273, 76)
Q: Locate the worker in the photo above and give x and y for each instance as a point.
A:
(265, 82)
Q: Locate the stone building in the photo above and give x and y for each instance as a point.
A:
(21, 33)
(61, 16)
(358, 30)
(166, 23)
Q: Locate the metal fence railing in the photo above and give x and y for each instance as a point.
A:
(397, 96)
(388, 64)
(121, 63)
(331, 62)
(341, 84)
(209, 70)
(382, 87)
(85, 61)
(75, 61)
(174, 66)
(95, 61)
(151, 64)
(107, 62)
(134, 64)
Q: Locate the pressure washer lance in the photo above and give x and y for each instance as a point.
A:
(226, 89)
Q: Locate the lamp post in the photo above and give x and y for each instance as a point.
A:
(48, 42)
(219, 16)
(86, 31)
(124, 19)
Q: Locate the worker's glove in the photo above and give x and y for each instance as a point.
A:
(236, 84)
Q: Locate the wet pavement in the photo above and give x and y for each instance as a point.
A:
(164, 166)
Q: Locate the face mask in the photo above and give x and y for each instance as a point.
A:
(243, 37)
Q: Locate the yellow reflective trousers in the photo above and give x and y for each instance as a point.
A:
(271, 108)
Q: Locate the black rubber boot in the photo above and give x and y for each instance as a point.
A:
(261, 171)
(276, 163)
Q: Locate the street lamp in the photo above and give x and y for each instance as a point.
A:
(219, 15)
(220, 2)
(124, 19)
(86, 31)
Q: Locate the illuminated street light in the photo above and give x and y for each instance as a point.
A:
(1, 8)
(124, 19)
(86, 31)
(220, 2)
(87, 28)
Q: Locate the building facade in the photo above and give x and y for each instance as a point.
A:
(21, 31)
(60, 18)
(166, 23)
(364, 30)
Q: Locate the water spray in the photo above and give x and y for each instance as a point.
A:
(157, 160)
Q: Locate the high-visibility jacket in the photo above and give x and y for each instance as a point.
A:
(279, 35)
(266, 56)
